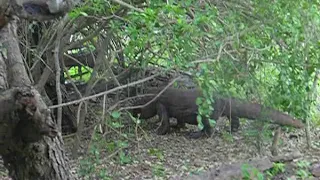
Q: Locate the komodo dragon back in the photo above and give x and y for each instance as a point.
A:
(179, 102)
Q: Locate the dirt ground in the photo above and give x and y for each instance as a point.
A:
(173, 156)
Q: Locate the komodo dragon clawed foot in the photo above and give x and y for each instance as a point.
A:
(162, 130)
(198, 134)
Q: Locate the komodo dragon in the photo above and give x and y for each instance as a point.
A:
(181, 104)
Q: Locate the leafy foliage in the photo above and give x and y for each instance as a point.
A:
(266, 52)
(240, 55)
(249, 172)
(276, 169)
(76, 75)
(261, 51)
(303, 171)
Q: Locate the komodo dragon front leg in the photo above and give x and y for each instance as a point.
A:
(162, 112)
(180, 124)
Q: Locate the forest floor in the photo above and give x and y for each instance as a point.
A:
(143, 154)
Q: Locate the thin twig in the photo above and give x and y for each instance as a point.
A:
(204, 60)
(69, 77)
(85, 39)
(209, 59)
(58, 70)
(104, 92)
(127, 5)
(103, 128)
(152, 100)
(77, 61)
(113, 76)
(112, 128)
(128, 99)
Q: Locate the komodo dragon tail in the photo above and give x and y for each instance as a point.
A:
(256, 111)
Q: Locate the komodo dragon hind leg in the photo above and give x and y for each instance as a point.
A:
(162, 112)
(235, 123)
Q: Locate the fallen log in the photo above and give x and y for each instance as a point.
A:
(286, 157)
(234, 170)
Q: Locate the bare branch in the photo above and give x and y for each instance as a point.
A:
(58, 69)
(127, 5)
(128, 99)
(105, 92)
(152, 100)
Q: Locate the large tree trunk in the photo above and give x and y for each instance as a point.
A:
(29, 143)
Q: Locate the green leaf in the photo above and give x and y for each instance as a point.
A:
(199, 120)
(83, 14)
(115, 114)
(199, 101)
(212, 122)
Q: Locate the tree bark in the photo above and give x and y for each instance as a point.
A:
(29, 143)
